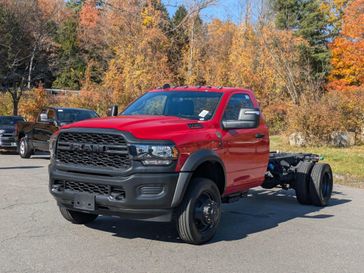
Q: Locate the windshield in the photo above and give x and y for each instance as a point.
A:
(183, 104)
(9, 120)
(73, 115)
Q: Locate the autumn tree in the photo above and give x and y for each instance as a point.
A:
(14, 53)
(140, 48)
(217, 63)
(33, 102)
(26, 28)
(348, 50)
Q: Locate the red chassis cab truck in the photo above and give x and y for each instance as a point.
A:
(176, 154)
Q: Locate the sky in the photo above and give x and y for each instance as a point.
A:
(233, 10)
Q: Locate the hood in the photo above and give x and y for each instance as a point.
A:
(8, 128)
(143, 127)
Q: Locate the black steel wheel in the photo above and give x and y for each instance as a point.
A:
(321, 184)
(199, 214)
(302, 182)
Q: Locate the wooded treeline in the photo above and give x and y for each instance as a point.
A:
(294, 54)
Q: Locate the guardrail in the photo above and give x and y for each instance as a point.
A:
(61, 91)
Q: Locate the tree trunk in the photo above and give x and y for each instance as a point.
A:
(15, 106)
(191, 59)
(31, 66)
(15, 98)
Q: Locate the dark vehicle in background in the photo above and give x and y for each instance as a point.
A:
(8, 131)
(34, 136)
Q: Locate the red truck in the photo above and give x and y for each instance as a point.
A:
(176, 154)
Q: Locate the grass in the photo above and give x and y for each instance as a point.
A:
(346, 163)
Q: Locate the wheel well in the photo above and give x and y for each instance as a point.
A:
(213, 171)
(21, 135)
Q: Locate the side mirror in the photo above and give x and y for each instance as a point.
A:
(44, 117)
(248, 119)
(112, 111)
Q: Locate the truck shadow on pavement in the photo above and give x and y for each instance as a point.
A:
(262, 210)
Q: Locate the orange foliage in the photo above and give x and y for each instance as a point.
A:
(336, 111)
(32, 102)
(89, 14)
(140, 49)
(348, 51)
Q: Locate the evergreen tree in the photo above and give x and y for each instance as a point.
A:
(307, 20)
(179, 42)
(70, 65)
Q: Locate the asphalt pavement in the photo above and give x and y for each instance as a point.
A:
(266, 232)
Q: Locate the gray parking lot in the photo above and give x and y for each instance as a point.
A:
(266, 232)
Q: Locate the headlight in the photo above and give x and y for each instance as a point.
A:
(52, 143)
(154, 154)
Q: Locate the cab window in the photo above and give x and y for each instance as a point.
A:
(237, 102)
(51, 114)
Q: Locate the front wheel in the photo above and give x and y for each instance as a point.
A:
(200, 212)
(24, 149)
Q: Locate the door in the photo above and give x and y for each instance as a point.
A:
(242, 145)
(43, 129)
(37, 130)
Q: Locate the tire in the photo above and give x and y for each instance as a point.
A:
(302, 182)
(321, 184)
(76, 217)
(199, 214)
(24, 149)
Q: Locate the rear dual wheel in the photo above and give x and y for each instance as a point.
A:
(321, 184)
(314, 183)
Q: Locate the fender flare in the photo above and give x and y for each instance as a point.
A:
(191, 164)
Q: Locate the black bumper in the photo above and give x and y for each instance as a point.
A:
(143, 196)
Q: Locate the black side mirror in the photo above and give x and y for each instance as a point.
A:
(112, 111)
(248, 118)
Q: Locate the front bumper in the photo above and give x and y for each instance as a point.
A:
(8, 142)
(143, 196)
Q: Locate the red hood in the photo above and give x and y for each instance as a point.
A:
(143, 127)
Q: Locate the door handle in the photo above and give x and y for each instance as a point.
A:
(259, 135)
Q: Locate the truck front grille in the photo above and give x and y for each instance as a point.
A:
(101, 150)
(97, 189)
(90, 188)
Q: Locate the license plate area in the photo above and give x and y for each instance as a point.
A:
(84, 201)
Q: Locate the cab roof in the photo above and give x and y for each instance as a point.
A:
(203, 88)
(67, 108)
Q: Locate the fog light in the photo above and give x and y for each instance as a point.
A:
(151, 190)
(117, 193)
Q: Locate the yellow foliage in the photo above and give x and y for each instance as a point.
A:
(32, 103)
(141, 57)
(6, 106)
